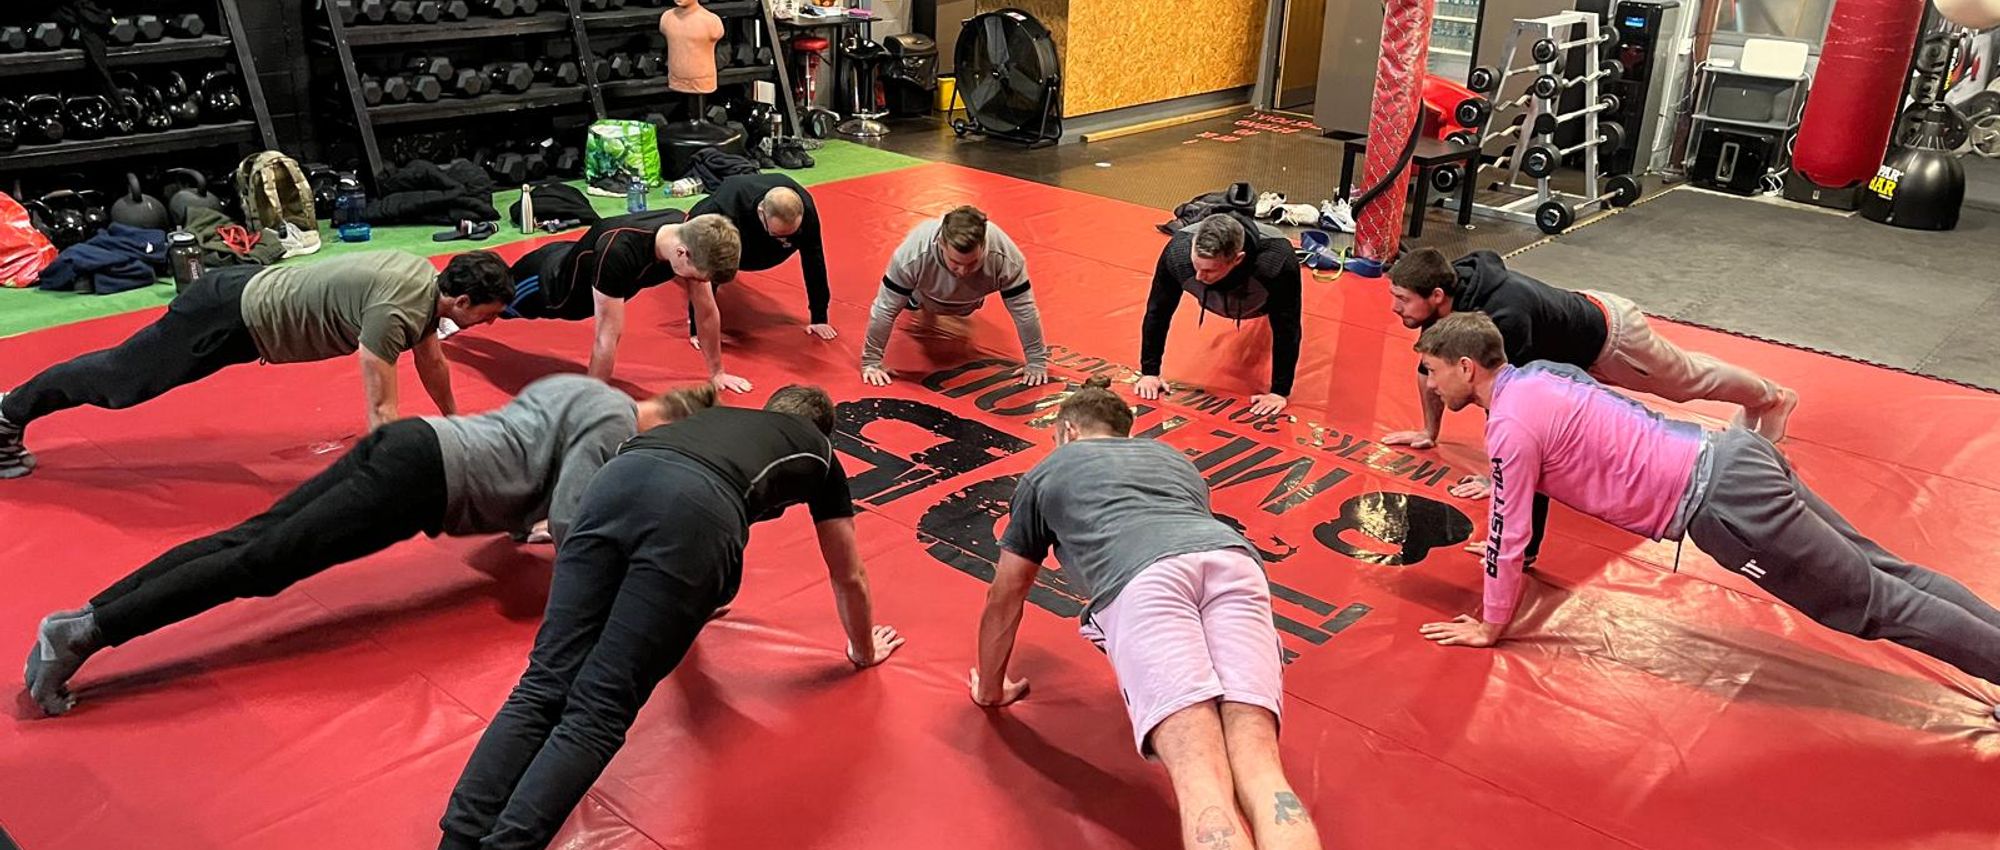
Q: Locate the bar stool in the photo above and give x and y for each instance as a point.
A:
(865, 61)
(809, 50)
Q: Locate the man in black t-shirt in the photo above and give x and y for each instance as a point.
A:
(621, 256)
(1236, 270)
(656, 549)
(777, 219)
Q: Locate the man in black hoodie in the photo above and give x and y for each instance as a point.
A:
(777, 218)
(1236, 270)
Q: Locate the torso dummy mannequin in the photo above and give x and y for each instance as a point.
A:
(691, 32)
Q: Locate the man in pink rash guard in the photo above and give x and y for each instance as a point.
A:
(1551, 429)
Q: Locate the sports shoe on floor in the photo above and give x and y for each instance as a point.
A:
(15, 460)
(684, 187)
(1268, 203)
(298, 242)
(1335, 215)
(1300, 214)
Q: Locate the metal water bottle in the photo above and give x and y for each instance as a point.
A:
(635, 195)
(350, 203)
(184, 258)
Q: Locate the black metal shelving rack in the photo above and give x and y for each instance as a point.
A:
(339, 43)
(225, 45)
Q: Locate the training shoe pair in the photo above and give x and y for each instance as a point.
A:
(1268, 204)
(15, 459)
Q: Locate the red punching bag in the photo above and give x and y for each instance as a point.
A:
(1395, 111)
(1856, 91)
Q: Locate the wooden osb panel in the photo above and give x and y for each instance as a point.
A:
(1119, 53)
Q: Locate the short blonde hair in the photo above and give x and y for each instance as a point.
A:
(682, 402)
(714, 246)
(1466, 333)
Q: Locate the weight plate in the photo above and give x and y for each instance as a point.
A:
(1543, 50)
(1554, 217)
(1624, 190)
(1539, 162)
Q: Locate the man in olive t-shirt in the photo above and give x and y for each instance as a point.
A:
(380, 303)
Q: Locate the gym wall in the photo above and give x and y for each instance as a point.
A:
(276, 29)
(1119, 53)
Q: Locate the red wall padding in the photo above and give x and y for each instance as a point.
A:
(1856, 90)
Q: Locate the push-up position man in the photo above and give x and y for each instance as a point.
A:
(381, 303)
(777, 218)
(497, 472)
(616, 259)
(1551, 429)
(1179, 603)
(1236, 269)
(947, 267)
(656, 549)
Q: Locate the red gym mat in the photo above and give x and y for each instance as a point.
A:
(1657, 702)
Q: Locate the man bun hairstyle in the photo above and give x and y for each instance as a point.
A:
(1467, 333)
(1097, 408)
(479, 275)
(1219, 236)
(964, 229)
(683, 402)
(1424, 271)
(804, 400)
(714, 245)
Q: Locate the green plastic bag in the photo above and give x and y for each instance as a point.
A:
(623, 149)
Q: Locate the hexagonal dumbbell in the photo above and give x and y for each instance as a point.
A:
(455, 10)
(395, 89)
(188, 25)
(467, 83)
(371, 91)
(512, 77)
(425, 88)
(558, 72)
(436, 66)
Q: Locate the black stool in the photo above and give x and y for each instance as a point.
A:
(1431, 154)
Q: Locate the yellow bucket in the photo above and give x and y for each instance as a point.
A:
(945, 87)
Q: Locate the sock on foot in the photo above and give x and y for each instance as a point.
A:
(15, 459)
(35, 651)
(60, 649)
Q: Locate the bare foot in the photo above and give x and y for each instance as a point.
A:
(1771, 421)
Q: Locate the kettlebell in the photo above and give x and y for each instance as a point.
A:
(220, 99)
(138, 209)
(62, 218)
(10, 125)
(43, 120)
(126, 120)
(89, 116)
(182, 106)
(153, 117)
(324, 181)
(192, 195)
(145, 111)
(95, 215)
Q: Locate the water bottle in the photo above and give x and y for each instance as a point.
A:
(635, 195)
(184, 258)
(350, 202)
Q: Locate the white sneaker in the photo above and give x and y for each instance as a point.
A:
(446, 328)
(298, 241)
(1301, 214)
(1335, 215)
(1268, 203)
(685, 187)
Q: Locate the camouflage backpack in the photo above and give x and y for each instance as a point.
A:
(275, 193)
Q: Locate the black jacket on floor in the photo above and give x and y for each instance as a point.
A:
(422, 192)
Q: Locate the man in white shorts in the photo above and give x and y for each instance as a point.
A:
(1180, 605)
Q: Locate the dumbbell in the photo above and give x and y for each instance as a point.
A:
(497, 8)
(467, 83)
(647, 65)
(1473, 111)
(371, 91)
(1546, 49)
(513, 77)
(508, 169)
(13, 39)
(746, 54)
(1554, 217)
(425, 88)
(621, 66)
(395, 89)
(435, 66)
(724, 54)
(536, 162)
(1547, 86)
(361, 11)
(47, 35)
(1546, 124)
(569, 162)
(600, 68)
(189, 25)
(558, 72)
(455, 10)
(527, 7)
(405, 12)
(1541, 160)
(151, 28)
(123, 30)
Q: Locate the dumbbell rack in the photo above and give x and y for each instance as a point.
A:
(224, 45)
(1560, 27)
(341, 42)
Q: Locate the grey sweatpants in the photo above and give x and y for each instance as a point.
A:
(1759, 520)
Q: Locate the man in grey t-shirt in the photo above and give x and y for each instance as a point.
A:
(497, 472)
(948, 267)
(1180, 605)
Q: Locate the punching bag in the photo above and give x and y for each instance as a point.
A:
(1394, 115)
(1856, 91)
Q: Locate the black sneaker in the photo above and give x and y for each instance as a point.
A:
(15, 460)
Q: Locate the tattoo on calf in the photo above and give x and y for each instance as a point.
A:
(1289, 809)
(1214, 830)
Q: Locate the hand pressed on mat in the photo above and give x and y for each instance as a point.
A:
(1463, 630)
(884, 644)
(1008, 691)
(822, 330)
(1414, 439)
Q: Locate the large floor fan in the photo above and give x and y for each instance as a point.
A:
(1009, 79)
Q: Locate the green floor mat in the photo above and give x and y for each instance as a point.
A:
(24, 310)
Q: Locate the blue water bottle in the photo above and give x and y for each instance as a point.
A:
(635, 195)
(350, 204)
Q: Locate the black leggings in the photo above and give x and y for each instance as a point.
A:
(657, 547)
(388, 488)
(201, 332)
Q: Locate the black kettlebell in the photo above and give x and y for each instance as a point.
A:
(10, 125)
(61, 218)
(193, 194)
(221, 101)
(42, 120)
(89, 116)
(95, 215)
(138, 209)
(153, 115)
(325, 184)
(182, 107)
